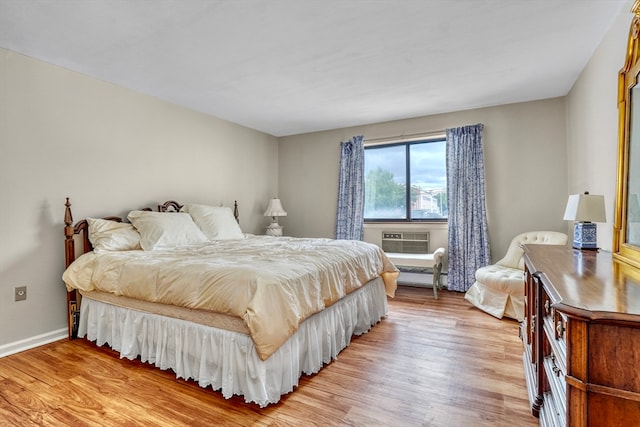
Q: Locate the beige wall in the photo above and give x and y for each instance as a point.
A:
(525, 162)
(111, 150)
(592, 124)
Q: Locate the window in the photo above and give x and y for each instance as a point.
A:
(406, 181)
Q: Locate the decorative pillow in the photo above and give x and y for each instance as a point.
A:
(159, 230)
(107, 235)
(217, 223)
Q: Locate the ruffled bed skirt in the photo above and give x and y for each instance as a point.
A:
(227, 360)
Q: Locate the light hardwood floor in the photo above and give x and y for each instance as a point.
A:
(429, 363)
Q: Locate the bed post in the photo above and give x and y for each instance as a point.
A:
(69, 245)
(236, 214)
(70, 256)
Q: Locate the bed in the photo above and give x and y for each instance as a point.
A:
(182, 288)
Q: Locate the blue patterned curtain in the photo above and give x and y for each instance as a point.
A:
(468, 231)
(350, 216)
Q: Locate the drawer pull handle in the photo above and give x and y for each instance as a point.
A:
(533, 322)
(554, 367)
(559, 328)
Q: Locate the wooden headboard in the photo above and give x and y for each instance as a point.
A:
(173, 206)
(170, 206)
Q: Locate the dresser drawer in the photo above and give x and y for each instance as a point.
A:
(555, 344)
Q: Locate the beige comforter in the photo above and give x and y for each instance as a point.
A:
(273, 284)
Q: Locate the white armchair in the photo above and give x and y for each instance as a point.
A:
(499, 288)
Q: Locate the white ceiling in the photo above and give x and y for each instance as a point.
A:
(295, 66)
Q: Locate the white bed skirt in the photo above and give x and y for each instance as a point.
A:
(226, 360)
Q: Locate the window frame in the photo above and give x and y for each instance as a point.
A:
(407, 143)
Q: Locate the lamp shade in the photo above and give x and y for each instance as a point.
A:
(275, 209)
(585, 208)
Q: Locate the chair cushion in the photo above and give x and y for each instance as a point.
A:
(501, 277)
(416, 260)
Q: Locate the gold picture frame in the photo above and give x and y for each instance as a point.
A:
(626, 227)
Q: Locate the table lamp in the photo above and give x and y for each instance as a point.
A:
(274, 210)
(585, 209)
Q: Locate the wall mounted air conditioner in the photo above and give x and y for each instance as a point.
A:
(405, 242)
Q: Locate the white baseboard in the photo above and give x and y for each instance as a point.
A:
(37, 341)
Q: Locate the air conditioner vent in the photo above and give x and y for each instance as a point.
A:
(406, 242)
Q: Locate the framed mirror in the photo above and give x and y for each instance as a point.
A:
(626, 228)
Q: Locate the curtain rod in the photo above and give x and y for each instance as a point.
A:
(407, 137)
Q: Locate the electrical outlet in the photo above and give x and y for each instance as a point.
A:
(20, 293)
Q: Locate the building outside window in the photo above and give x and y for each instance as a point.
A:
(406, 181)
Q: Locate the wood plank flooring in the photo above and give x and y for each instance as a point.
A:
(429, 363)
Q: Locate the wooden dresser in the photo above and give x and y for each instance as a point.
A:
(581, 337)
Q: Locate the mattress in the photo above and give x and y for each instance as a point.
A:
(206, 318)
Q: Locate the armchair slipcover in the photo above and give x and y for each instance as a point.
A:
(499, 288)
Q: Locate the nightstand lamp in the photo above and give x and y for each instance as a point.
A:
(585, 209)
(274, 210)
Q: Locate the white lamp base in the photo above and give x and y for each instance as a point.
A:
(274, 230)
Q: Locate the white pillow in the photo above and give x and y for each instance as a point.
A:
(165, 230)
(217, 223)
(106, 235)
